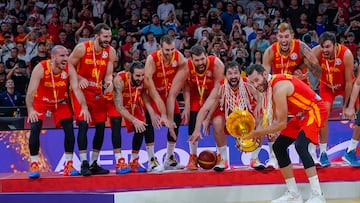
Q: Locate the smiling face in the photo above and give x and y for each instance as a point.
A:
(138, 76)
(233, 76)
(284, 38)
(104, 38)
(168, 49)
(199, 62)
(59, 57)
(328, 49)
(258, 81)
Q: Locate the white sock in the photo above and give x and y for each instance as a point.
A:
(117, 156)
(291, 185)
(94, 157)
(83, 157)
(323, 147)
(353, 144)
(68, 157)
(34, 158)
(170, 149)
(315, 184)
(134, 156)
(193, 147)
(271, 150)
(255, 153)
(150, 151)
(312, 150)
(223, 152)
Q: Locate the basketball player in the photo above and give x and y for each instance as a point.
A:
(202, 77)
(47, 95)
(289, 95)
(94, 60)
(337, 63)
(286, 56)
(160, 69)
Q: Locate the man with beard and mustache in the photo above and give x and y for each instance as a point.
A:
(94, 61)
(289, 95)
(202, 77)
(219, 105)
(160, 69)
(47, 95)
(337, 63)
(286, 56)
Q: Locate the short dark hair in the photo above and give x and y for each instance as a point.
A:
(197, 50)
(231, 64)
(255, 67)
(167, 39)
(136, 65)
(99, 27)
(327, 36)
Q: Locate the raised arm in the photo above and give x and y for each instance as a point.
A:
(310, 60)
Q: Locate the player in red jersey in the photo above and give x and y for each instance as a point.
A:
(94, 61)
(337, 63)
(47, 95)
(289, 95)
(202, 77)
(286, 56)
(160, 69)
(219, 105)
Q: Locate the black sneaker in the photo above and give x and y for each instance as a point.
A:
(96, 169)
(85, 169)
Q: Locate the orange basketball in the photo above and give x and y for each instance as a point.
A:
(207, 159)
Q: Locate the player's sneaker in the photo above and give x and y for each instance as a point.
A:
(289, 197)
(136, 167)
(121, 167)
(154, 165)
(316, 198)
(172, 164)
(350, 158)
(221, 164)
(96, 169)
(324, 160)
(272, 163)
(69, 169)
(193, 162)
(85, 168)
(34, 170)
(256, 164)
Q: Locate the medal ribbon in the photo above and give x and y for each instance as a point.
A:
(132, 102)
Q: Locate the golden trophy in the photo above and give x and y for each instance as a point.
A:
(239, 124)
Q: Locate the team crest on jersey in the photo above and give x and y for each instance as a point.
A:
(174, 64)
(105, 55)
(338, 61)
(63, 75)
(208, 74)
(293, 56)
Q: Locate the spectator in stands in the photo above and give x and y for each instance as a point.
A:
(46, 37)
(259, 16)
(68, 12)
(133, 27)
(2, 77)
(7, 46)
(355, 12)
(41, 55)
(251, 6)
(303, 26)
(293, 12)
(98, 7)
(10, 97)
(171, 22)
(83, 33)
(242, 15)
(54, 26)
(259, 43)
(155, 27)
(164, 9)
(19, 76)
(18, 13)
(31, 44)
(126, 49)
(350, 38)
(115, 44)
(202, 26)
(227, 18)
(21, 34)
(145, 17)
(14, 60)
(23, 55)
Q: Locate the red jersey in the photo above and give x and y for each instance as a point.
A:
(53, 88)
(286, 64)
(302, 99)
(164, 75)
(131, 99)
(332, 76)
(200, 84)
(93, 72)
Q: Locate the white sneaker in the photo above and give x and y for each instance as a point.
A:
(289, 197)
(154, 165)
(172, 164)
(272, 163)
(316, 198)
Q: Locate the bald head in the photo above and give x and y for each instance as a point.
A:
(55, 50)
